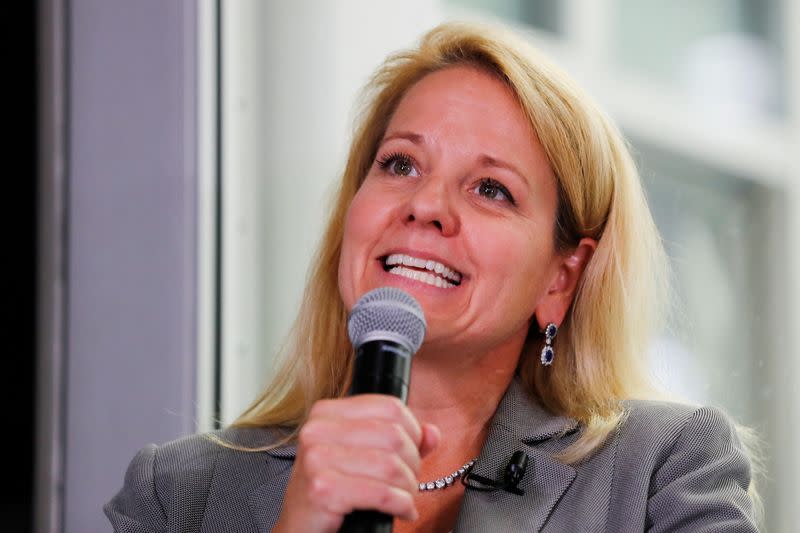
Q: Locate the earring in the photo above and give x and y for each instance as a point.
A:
(550, 332)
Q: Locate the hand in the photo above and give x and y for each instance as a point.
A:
(360, 452)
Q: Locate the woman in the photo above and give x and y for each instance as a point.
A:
(483, 183)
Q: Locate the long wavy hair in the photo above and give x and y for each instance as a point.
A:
(618, 300)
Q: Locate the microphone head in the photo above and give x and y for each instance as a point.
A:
(390, 314)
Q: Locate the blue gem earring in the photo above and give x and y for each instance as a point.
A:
(550, 332)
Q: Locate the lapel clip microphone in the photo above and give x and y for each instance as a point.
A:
(512, 475)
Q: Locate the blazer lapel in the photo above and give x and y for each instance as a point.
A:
(519, 424)
(266, 500)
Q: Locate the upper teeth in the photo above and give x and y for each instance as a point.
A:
(427, 264)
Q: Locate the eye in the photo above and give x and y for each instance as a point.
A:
(494, 190)
(398, 164)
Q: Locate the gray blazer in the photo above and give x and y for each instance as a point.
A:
(668, 467)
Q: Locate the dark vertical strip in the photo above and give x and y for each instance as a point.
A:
(219, 191)
(31, 280)
(19, 275)
(51, 142)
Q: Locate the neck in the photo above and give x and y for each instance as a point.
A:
(460, 392)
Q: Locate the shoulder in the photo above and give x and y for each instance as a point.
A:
(694, 467)
(164, 478)
(197, 451)
(657, 433)
(665, 425)
(660, 420)
(196, 457)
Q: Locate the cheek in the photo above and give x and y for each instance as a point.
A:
(518, 262)
(359, 224)
(346, 277)
(364, 225)
(504, 251)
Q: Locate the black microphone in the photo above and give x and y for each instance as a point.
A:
(386, 328)
(512, 475)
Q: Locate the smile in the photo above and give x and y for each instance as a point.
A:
(424, 270)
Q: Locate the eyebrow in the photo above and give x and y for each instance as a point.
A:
(415, 138)
(489, 161)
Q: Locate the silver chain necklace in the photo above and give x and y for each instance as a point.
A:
(446, 481)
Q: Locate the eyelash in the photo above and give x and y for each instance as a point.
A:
(499, 186)
(386, 162)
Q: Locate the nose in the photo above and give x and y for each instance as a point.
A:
(431, 206)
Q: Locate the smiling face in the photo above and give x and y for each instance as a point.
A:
(458, 209)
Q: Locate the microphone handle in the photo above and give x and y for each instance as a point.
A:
(380, 367)
(367, 522)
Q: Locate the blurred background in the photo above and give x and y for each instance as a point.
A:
(187, 151)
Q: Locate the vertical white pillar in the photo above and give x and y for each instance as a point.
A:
(786, 474)
(291, 73)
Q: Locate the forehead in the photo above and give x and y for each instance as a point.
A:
(453, 88)
(473, 110)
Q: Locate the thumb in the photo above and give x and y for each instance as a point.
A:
(431, 437)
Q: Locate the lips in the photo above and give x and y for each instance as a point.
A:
(422, 269)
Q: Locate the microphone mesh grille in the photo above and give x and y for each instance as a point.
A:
(387, 309)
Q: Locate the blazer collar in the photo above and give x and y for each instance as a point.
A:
(519, 423)
(265, 500)
(522, 416)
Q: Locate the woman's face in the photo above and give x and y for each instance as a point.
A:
(458, 209)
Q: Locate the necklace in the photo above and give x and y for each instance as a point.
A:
(446, 481)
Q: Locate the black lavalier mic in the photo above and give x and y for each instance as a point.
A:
(386, 328)
(512, 475)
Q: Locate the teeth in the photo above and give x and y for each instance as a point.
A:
(429, 265)
(424, 277)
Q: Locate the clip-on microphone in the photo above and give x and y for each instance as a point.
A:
(513, 474)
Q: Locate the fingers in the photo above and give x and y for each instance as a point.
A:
(431, 437)
(356, 453)
(342, 494)
(375, 464)
(381, 435)
(370, 406)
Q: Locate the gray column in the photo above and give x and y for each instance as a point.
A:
(132, 242)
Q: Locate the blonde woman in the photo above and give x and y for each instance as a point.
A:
(480, 164)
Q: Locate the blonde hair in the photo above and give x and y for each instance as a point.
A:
(601, 341)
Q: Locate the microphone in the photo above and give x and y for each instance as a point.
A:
(386, 328)
(512, 475)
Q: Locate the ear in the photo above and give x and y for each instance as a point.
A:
(555, 303)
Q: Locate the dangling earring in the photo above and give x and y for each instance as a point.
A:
(550, 332)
